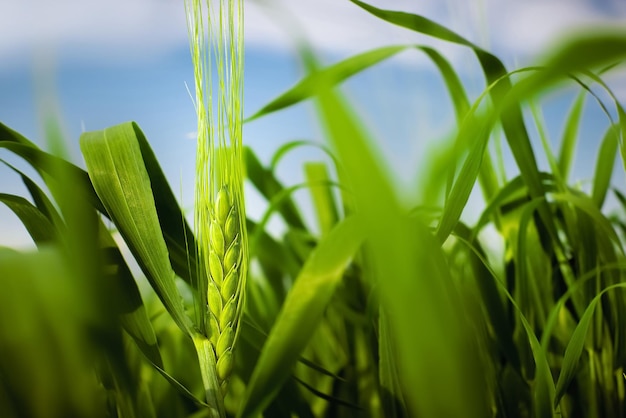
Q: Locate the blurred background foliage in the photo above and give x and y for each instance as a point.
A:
(389, 306)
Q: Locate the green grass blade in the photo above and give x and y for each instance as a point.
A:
(393, 401)
(115, 165)
(570, 136)
(36, 223)
(280, 153)
(48, 165)
(274, 206)
(323, 199)
(464, 184)
(412, 21)
(414, 286)
(47, 327)
(543, 389)
(574, 349)
(267, 184)
(300, 314)
(491, 298)
(605, 162)
(40, 199)
(495, 72)
(330, 76)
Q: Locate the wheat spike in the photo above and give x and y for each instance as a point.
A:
(225, 257)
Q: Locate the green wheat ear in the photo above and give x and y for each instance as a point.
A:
(219, 204)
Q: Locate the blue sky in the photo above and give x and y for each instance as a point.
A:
(119, 60)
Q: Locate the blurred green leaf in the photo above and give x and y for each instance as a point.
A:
(570, 136)
(300, 314)
(605, 162)
(47, 349)
(323, 199)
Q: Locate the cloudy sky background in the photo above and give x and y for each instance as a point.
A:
(118, 60)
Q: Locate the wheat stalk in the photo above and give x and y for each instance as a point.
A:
(219, 203)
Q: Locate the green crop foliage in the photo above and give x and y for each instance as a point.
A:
(395, 308)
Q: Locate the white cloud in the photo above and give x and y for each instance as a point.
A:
(123, 29)
(533, 25)
(93, 28)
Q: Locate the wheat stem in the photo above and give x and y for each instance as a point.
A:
(219, 203)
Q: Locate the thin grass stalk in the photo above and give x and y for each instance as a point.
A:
(219, 203)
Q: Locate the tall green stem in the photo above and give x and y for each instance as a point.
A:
(219, 203)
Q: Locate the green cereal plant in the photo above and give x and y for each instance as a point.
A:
(219, 203)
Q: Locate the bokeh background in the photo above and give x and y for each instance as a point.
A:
(93, 63)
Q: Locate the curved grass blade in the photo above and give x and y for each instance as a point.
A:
(574, 349)
(392, 398)
(570, 136)
(322, 195)
(36, 223)
(274, 206)
(581, 54)
(300, 314)
(308, 86)
(48, 165)
(115, 165)
(40, 199)
(339, 72)
(267, 184)
(414, 282)
(543, 388)
(256, 338)
(605, 162)
(329, 398)
(492, 300)
(280, 153)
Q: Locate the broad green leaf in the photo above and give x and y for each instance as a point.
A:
(300, 314)
(409, 270)
(174, 226)
(178, 235)
(117, 170)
